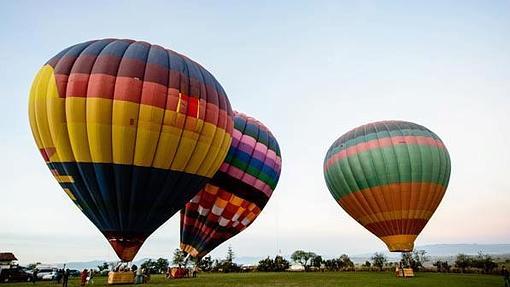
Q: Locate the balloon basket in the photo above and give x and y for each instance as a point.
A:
(121, 277)
(404, 272)
(177, 273)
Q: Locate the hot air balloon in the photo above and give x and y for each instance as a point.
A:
(390, 176)
(238, 191)
(131, 131)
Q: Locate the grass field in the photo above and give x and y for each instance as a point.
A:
(345, 279)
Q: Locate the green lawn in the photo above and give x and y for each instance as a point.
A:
(347, 279)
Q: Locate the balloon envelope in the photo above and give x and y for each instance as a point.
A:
(238, 191)
(389, 176)
(131, 131)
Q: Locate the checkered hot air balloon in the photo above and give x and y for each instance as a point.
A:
(131, 131)
(389, 176)
(238, 191)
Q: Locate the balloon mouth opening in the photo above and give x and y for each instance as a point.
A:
(399, 243)
(125, 246)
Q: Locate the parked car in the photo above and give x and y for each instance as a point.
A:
(49, 273)
(13, 274)
(49, 276)
(74, 273)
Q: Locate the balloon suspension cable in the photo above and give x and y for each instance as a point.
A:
(122, 266)
(186, 259)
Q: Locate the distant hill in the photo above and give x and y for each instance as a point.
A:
(470, 249)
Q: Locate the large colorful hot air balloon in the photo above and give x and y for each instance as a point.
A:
(389, 176)
(131, 131)
(238, 191)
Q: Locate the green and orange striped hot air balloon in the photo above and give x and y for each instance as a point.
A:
(390, 176)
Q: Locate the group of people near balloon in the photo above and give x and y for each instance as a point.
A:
(134, 133)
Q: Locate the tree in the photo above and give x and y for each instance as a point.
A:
(414, 260)
(484, 262)
(227, 265)
(420, 258)
(330, 265)
(463, 261)
(149, 265)
(421, 255)
(407, 260)
(367, 264)
(446, 267)
(265, 265)
(161, 265)
(442, 266)
(280, 264)
(378, 260)
(302, 257)
(205, 264)
(104, 266)
(230, 254)
(179, 258)
(316, 261)
(345, 262)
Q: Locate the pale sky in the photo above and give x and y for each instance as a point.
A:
(310, 71)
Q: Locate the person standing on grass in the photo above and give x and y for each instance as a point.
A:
(506, 276)
(34, 275)
(65, 278)
(147, 275)
(139, 276)
(60, 272)
(90, 279)
(195, 271)
(83, 277)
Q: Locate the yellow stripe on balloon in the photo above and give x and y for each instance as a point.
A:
(64, 178)
(41, 111)
(218, 151)
(99, 129)
(56, 112)
(77, 128)
(70, 194)
(207, 149)
(31, 110)
(395, 215)
(185, 150)
(202, 156)
(147, 135)
(400, 242)
(124, 125)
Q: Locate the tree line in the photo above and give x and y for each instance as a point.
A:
(310, 261)
(483, 262)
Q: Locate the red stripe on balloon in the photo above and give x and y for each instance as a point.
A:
(381, 143)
